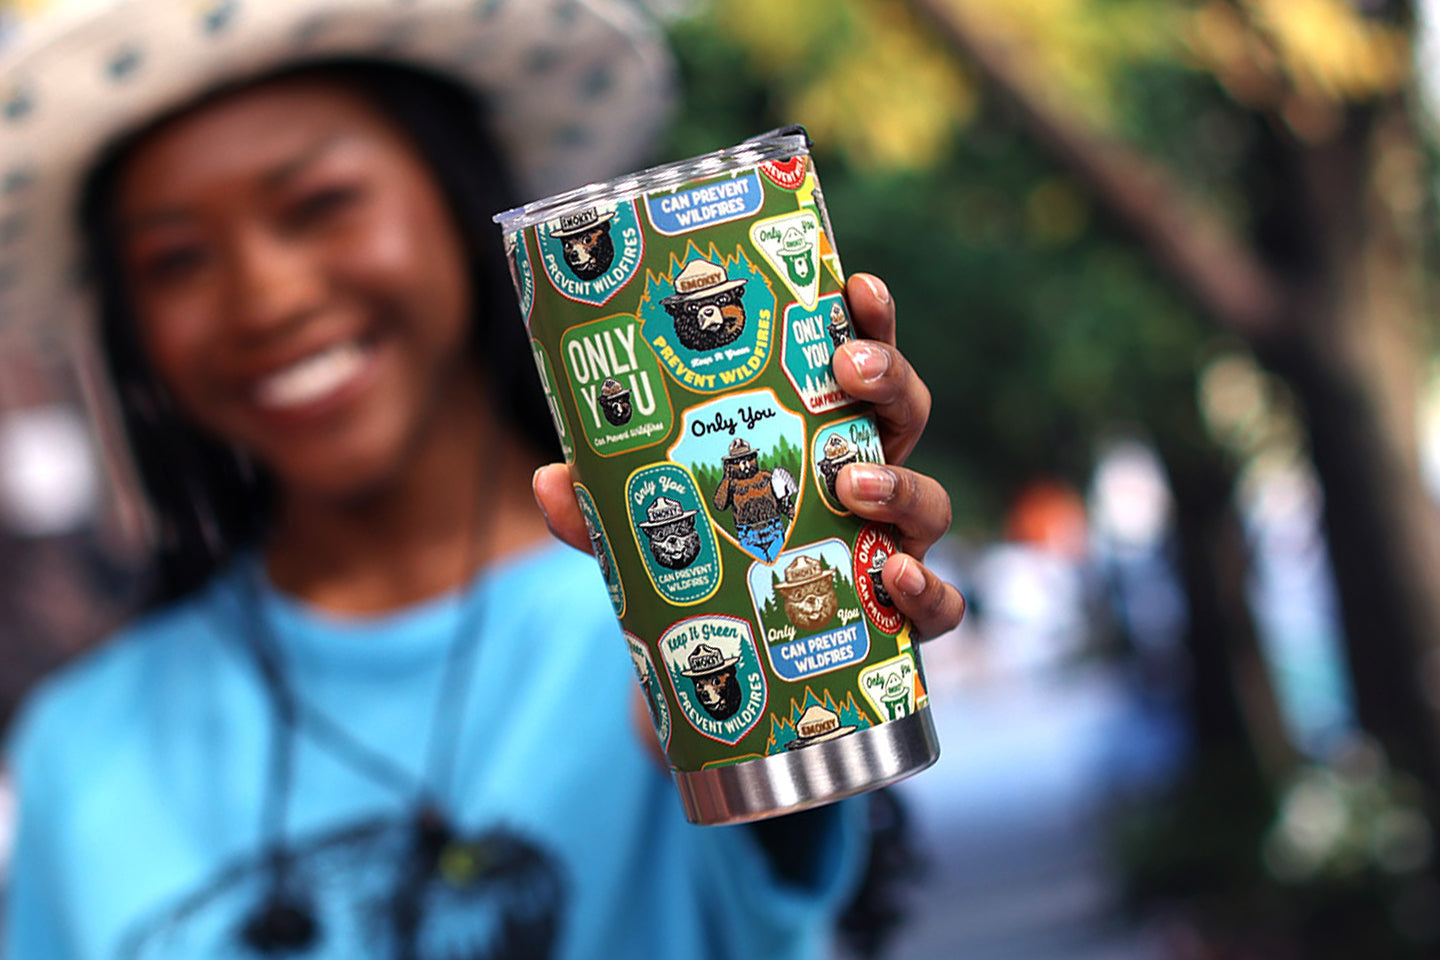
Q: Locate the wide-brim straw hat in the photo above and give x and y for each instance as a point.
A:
(576, 90)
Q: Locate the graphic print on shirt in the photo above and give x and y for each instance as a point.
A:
(838, 444)
(650, 687)
(673, 533)
(619, 391)
(590, 254)
(809, 613)
(379, 888)
(811, 338)
(746, 451)
(710, 318)
(818, 719)
(601, 548)
(716, 675)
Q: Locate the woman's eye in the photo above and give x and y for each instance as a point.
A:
(316, 208)
(173, 265)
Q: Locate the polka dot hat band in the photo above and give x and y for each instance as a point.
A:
(577, 89)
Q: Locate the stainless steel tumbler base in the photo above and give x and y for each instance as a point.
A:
(812, 776)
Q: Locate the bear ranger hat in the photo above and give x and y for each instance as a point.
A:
(705, 660)
(817, 725)
(576, 90)
(803, 571)
(701, 278)
(574, 224)
(664, 512)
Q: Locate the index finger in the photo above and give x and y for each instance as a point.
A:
(871, 307)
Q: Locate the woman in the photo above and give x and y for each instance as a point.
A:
(377, 711)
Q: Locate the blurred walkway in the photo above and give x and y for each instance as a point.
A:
(1010, 820)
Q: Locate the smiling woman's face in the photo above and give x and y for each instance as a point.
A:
(298, 282)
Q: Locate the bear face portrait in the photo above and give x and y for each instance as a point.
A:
(615, 403)
(809, 592)
(589, 254)
(838, 452)
(812, 606)
(709, 322)
(718, 693)
(674, 545)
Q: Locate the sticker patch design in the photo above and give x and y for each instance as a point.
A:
(809, 612)
(623, 401)
(817, 720)
(873, 547)
(589, 255)
(716, 675)
(852, 440)
(811, 337)
(600, 544)
(785, 174)
(710, 319)
(517, 254)
(746, 450)
(890, 687)
(673, 533)
(790, 243)
(547, 384)
(677, 211)
(650, 685)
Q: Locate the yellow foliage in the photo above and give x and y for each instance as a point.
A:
(1329, 49)
(860, 74)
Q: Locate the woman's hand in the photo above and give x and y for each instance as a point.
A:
(872, 370)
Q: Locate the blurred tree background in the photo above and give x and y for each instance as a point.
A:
(1208, 224)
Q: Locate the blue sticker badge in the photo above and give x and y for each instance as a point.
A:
(678, 211)
(650, 687)
(809, 612)
(589, 255)
(811, 338)
(710, 319)
(673, 533)
(600, 546)
(838, 444)
(747, 452)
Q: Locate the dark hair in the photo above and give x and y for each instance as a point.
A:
(208, 501)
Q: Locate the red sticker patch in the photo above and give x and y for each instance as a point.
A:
(785, 174)
(873, 548)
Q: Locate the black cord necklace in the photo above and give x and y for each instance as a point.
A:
(285, 920)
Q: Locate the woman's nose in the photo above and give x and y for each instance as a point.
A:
(275, 283)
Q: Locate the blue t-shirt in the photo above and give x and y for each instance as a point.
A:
(143, 769)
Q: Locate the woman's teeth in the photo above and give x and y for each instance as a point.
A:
(312, 378)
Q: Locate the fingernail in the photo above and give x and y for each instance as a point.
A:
(910, 580)
(878, 290)
(870, 361)
(872, 483)
(534, 477)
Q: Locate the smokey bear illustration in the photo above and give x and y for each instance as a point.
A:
(809, 592)
(647, 686)
(763, 500)
(615, 402)
(713, 675)
(674, 542)
(817, 725)
(597, 547)
(838, 452)
(706, 306)
(839, 329)
(877, 566)
(585, 242)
